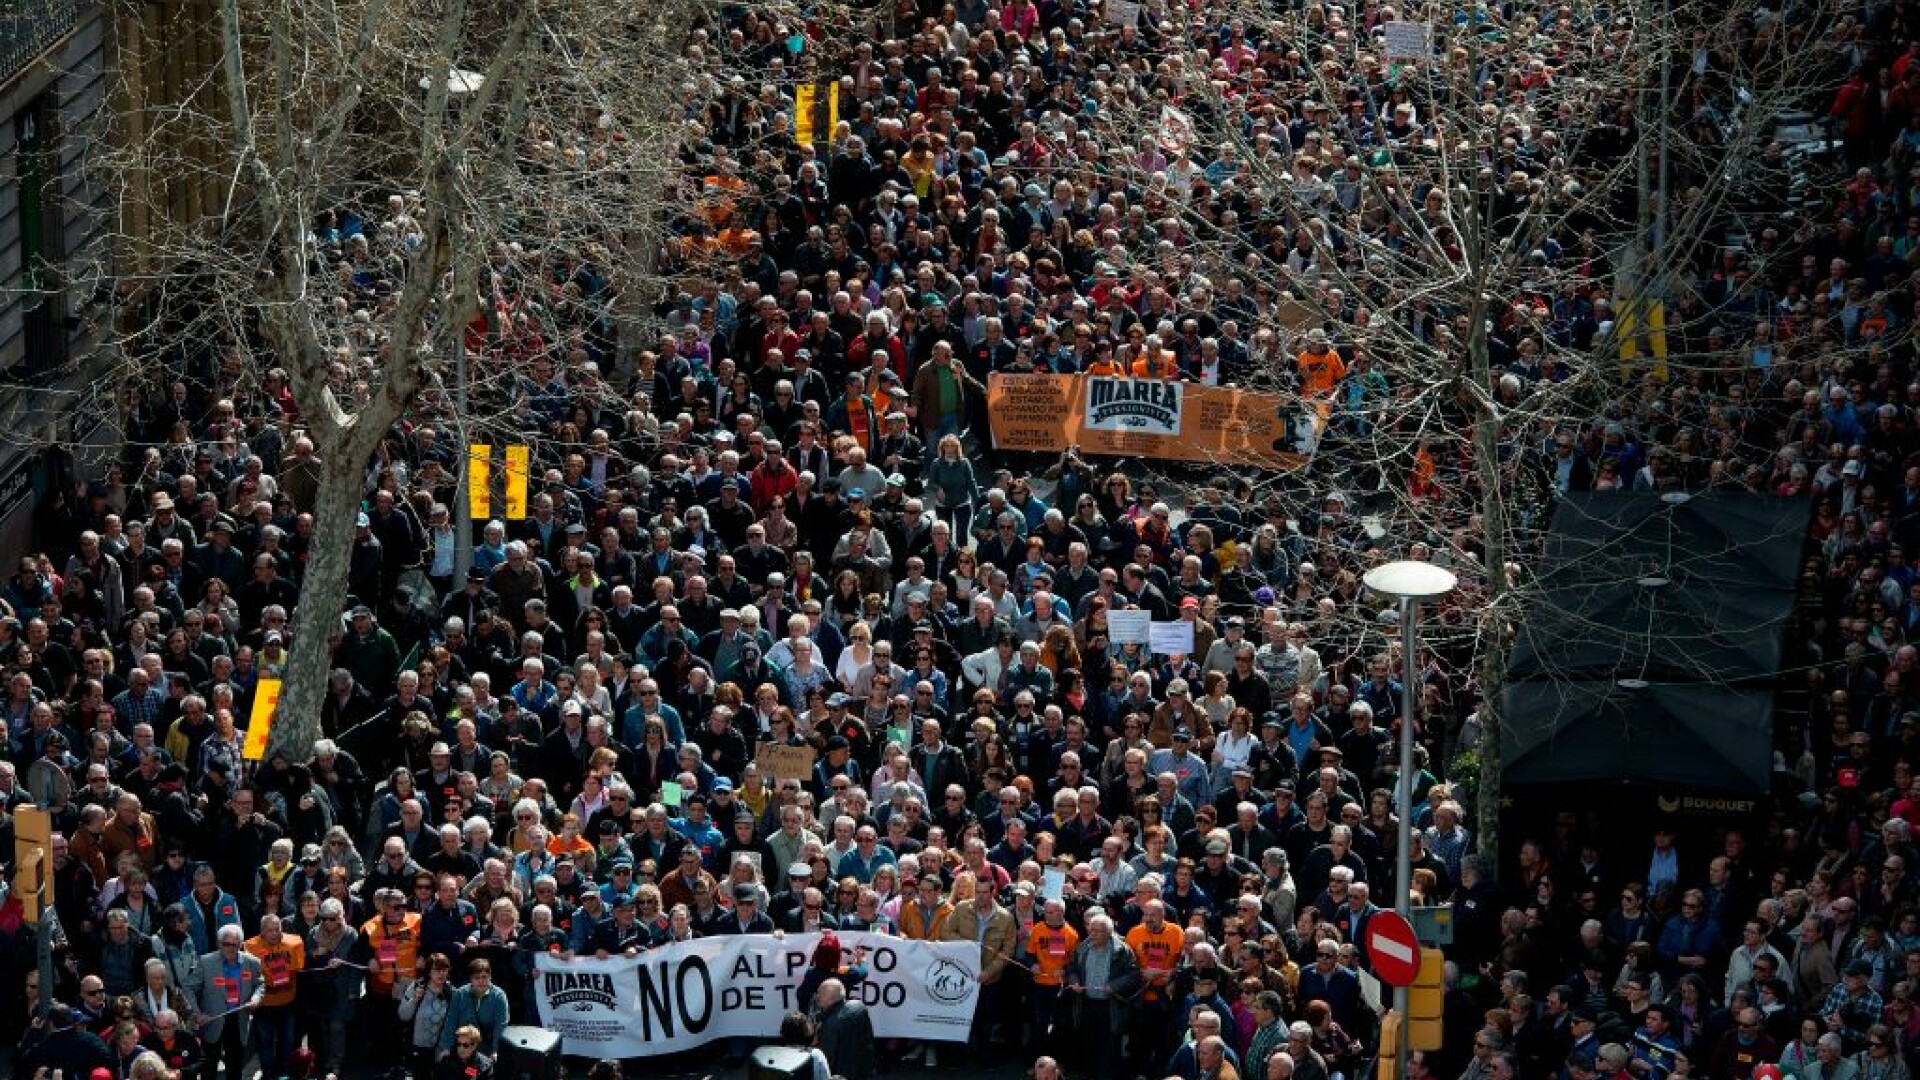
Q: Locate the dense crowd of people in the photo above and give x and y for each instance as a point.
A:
(784, 523)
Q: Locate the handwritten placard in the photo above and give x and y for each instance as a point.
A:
(1408, 40)
(1130, 627)
(784, 762)
(1171, 638)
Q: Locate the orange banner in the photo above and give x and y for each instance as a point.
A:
(1182, 421)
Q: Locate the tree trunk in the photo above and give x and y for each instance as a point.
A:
(323, 595)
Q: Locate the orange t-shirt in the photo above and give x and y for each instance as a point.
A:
(278, 966)
(1158, 953)
(1319, 372)
(1051, 950)
(1159, 366)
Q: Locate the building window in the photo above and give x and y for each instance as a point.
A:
(37, 170)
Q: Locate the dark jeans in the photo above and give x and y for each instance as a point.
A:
(273, 1036)
(230, 1050)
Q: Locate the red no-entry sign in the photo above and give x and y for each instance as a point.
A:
(1394, 950)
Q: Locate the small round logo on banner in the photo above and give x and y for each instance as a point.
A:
(948, 982)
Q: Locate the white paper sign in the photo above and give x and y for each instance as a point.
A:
(1129, 627)
(683, 995)
(1123, 13)
(1053, 883)
(1171, 638)
(1408, 41)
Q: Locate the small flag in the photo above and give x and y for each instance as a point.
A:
(519, 462)
(479, 481)
(803, 99)
(266, 702)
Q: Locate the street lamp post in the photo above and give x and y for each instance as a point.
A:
(459, 83)
(1409, 582)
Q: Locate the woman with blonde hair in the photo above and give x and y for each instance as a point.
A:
(858, 652)
(951, 482)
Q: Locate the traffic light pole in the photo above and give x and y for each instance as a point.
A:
(43, 944)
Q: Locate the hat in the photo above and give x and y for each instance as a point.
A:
(360, 610)
(743, 814)
(576, 527)
(729, 613)
(746, 890)
(923, 625)
(1235, 622)
(1181, 734)
(1216, 847)
(896, 481)
(1263, 595)
(723, 784)
(1283, 787)
(837, 701)
(856, 493)
(1860, 967)
(1242, 770)
(310, 853)
(1852, 468)
(622, 867)
(222, 525)
(474, 573)
(100, 1074)
(1189, 602)
(360, 522)
(800, 870)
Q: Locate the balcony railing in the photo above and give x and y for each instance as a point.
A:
(29, 27)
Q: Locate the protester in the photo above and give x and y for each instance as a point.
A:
(779, 521)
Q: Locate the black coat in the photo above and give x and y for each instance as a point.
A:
(845, 1034)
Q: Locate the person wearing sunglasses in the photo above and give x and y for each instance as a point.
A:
(466, 1062)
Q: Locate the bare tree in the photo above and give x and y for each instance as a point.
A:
(1445, 232)
(507, 159)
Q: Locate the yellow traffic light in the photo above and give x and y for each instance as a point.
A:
(32, 869)
(1426, 1001)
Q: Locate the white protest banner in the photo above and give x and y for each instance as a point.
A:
(1171, 638)
(1407, 41)
(1123, 13)
(1129, 627)
(687, 994)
